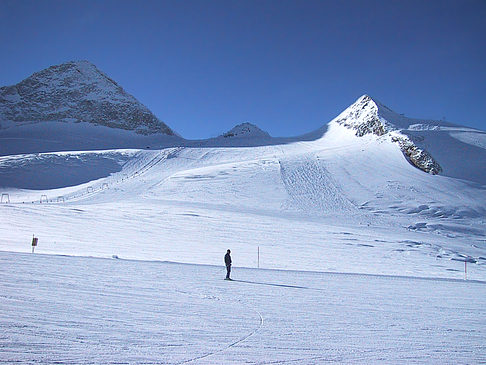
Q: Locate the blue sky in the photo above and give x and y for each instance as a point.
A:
(287, 66)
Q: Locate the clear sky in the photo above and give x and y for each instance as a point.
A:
(287, 66)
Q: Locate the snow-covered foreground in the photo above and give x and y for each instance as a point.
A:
(77, 310)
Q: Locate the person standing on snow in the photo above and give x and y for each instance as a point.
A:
(227, 261)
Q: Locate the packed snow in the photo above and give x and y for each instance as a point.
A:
(74, 310)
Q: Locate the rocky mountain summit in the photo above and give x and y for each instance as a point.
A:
(75, 92)
(367, 116)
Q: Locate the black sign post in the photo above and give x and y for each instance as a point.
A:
(34, 242)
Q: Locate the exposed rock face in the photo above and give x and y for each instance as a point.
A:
(417, 156)
(365, 116)
(76, 92)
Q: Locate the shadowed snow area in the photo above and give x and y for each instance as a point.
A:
(77, 310)
(57, 170)
(68, 136)
(461, 152)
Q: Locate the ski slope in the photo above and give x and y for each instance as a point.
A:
(345, 198)
(76, 310)
(336, 203)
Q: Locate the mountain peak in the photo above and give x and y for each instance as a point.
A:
(364, 98)
(363, 117)
(71, 72)
(246, 130)
(367, 116)
(367, 99)
(76, 91)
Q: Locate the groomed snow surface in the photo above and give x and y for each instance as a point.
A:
(75, 310)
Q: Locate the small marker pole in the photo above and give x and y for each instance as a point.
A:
(34, 242)
(465, 270)
(258, 261)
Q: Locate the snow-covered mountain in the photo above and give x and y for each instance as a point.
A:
(246, 130)
(75, 92)
(436, 147)
(371, 191)
(75, 106)
(242, 135)
(367, 116)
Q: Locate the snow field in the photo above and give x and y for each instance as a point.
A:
(353, 206)
(77, 310)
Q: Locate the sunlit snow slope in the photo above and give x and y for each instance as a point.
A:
(353, 196)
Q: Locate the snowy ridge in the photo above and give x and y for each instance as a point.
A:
(75, 92)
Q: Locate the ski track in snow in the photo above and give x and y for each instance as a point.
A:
(310, 187)
(260, 324)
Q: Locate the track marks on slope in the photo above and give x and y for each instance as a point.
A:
(149, 161)
(240, 340)
(311, 187)
(134, 169)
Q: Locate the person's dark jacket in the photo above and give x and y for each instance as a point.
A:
(227, 259)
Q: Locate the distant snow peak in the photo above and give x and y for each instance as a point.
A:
(363, 117)
(76, 91)
(245, 130)
(367, 116)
